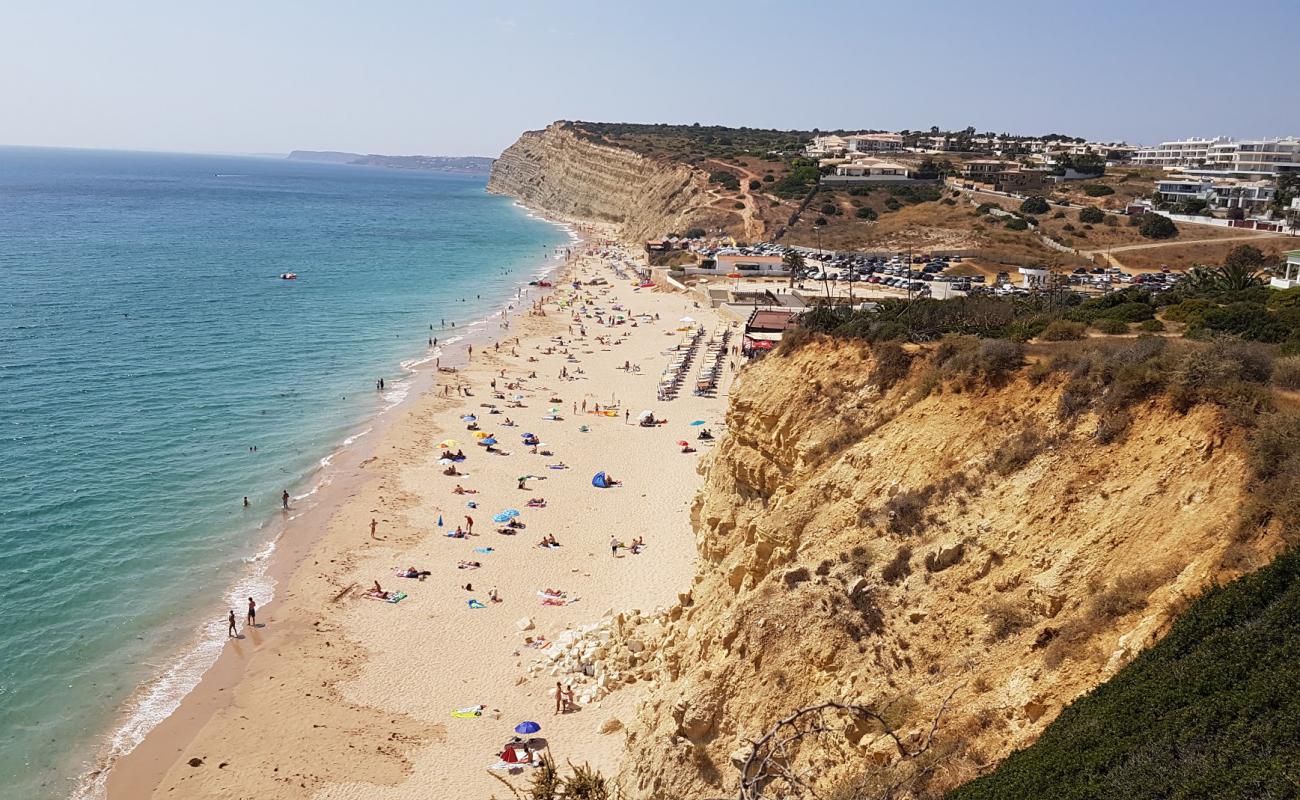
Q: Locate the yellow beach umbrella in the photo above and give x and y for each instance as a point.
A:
(449, 443)
(480, 434)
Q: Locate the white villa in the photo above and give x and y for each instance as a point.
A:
(1250, 196)
(1224, 157)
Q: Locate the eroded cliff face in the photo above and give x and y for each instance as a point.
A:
(894, 548)
(562, 173)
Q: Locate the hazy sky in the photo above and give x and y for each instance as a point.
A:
(464, 78)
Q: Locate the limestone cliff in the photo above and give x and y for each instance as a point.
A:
(892, 547)
(563, 172)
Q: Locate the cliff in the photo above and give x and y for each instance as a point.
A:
(916, 549)
(565, 173)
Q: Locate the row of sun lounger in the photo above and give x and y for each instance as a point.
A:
(679, 364)
(713, 361)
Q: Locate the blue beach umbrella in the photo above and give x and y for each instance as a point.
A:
(698, 422)
(469, 418)
(491, 440)
(528, 435)
(600, 481)
(501, 518)
(527, 727)
(510, 512)
(439, 520)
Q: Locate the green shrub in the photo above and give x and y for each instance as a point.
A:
(1034, 205)
(1016, 224)
(1063, 330)
(769, 178)
(983, 208)
(1154, 226)
(1110, 326)
(738, 205)
(892, 364)
(866, 213)
(892, 204)
(1091, 215)
(1151, 326)
(1097, 189)
(754, 184)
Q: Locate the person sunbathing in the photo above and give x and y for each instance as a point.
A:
(547, 592)
(379, 592)
(686, 448)
(468, 565)
(412, 572)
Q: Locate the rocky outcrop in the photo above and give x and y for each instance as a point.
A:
(564, 172)
(869, 547)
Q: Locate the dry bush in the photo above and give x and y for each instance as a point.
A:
(892, 363)
(1110, 427)
(1286, 372)
(1017, 451)
(899, 567)
(1063, 330)
(1005, 617)
(1128, 593)
(906, 510)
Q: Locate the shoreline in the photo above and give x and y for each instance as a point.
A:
(289, 539)
(292, 619)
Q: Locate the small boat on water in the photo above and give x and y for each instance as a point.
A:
(288, 276)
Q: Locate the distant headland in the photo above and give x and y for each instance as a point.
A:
(471, 165)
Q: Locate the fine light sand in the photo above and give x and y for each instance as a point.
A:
(340, 696)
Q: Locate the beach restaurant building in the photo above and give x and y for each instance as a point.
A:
(728, 262)
(764, 329)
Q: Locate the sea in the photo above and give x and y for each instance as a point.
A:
(148, 344)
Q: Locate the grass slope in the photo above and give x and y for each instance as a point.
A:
(1212, 711)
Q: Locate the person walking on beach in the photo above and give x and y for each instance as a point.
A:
(252, 614)
(613, 546)
(284, 498)
(469, 524)
(559, 689)
(373, 525)
(232, 631)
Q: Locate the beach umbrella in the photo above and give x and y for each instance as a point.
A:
(527, 435)
(733, 274)
(439, 520)
(554, 410)
(500, 518)
(527, 727)
(446, 461)
(697, 422)
(448, 443)
(683, 443)
(469, 418)
(600, 481)
(686, 319)
(488, 441)
(525, 477)
(481, 434)
(511, 512)
(517, 398)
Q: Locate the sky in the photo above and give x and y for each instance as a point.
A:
(465, 78)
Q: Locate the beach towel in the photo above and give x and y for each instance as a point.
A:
(484, 550)
(470, 712)
(394, 597)
(475, 604)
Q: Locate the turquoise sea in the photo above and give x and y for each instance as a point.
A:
(146, 343)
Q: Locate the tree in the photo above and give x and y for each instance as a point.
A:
(1236, 213)
(1034, 205)
(754, 184)
(1097, 190)
(866, 213)
(1154, 226)
(1245, 255)
(1091, 215)
(695, 233)
(794, 263)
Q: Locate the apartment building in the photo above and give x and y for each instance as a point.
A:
(874, 142)
(1224, 157)
(1180, 153)
(1253, 197)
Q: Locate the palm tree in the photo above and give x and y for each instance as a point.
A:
(1227, 278)
(793, 261)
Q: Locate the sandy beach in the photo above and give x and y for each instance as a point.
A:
(341, 695)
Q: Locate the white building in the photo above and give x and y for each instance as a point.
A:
(1181, 153)
(1292, 279)
(874, 142)
(1250, 196)
(872, 168)
(1225, 157)
(827, 146)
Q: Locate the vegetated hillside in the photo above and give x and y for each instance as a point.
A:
(1211, 711)
(943, 530)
